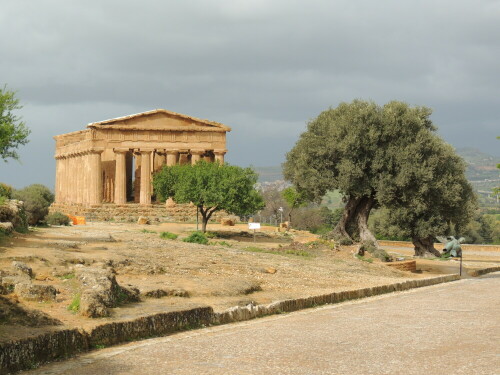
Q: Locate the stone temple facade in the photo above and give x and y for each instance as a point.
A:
(112, 161)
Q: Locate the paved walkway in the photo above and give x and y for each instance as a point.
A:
(450, 328)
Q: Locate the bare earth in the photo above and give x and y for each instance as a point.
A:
(232, 270)
(221, 274)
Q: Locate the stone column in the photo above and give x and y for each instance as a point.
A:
(70, 188)
(219, 156)
(95, 185)
(172, 157)
(62, 185)
(145, 194)
(57, 187)
(137, 177)
(196, 156)
(79, 186)
(120, 176)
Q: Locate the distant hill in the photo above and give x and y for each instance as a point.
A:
(480, 166)
(269, 174)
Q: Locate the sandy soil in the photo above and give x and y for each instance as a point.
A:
(234, 269)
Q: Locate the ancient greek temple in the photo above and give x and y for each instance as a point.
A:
(112, 161)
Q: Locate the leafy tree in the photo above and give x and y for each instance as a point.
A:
(37, 198)
(211, 187)
(13, 131)
(435, 200)
(371, 154)
(273, 200)
(294, 199)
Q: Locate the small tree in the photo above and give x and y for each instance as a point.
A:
(211, 187)
(13, 131)
(294, 199)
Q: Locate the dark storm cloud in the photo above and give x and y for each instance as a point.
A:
(263, 67)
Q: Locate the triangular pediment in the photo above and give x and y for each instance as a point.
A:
(160, 119)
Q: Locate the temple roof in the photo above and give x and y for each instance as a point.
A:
(121, 121)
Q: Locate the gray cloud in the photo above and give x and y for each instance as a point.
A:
(263, 67)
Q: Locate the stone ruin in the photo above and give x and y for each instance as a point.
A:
(105, 171)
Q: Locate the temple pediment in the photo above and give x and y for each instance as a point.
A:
(160, 119)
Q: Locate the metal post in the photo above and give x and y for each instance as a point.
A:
(461, 255)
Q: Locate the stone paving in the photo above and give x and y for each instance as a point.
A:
(451, 328)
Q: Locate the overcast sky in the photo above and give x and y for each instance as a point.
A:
(263, 67)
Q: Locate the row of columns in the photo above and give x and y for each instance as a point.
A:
(146, 169)
(79, 178)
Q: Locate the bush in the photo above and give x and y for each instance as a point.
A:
(57, 218)
(196, 237)
(168, 236)
(375, 251)
(5, 190)
(37, 199)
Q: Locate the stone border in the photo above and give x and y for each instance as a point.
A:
(483, 271)
(31, 352)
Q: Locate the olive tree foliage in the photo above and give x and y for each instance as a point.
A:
(375, 156)
(13, 131)
(211, 187)
(434, 197)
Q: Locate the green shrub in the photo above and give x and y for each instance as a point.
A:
(5, 190)
(168, 236)
(57, 218)
(377, 252)
(196, 237)
(74, 306)
(37, 199)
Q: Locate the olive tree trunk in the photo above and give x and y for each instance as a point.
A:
(425, 245)
(354, 221)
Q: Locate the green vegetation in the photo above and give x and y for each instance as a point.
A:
(37, 199)
(13, 131)
(285, 252)
(168, 236)
(369, 260)
(220, 243)
(67, 276)
(197, 237)
(5, 190)
(294, 199)
(74, 306)
(211, 187)
(147, 231)
(57, 218)
(387, 156)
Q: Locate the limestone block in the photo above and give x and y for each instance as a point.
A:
(143, 220)
(22, 268)
(170, 203)
(36, 292)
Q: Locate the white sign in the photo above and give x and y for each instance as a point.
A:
(254, 226)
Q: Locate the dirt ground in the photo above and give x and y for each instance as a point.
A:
(235, 268)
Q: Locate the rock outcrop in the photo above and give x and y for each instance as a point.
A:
(99, 291)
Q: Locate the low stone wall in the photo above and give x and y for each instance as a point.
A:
(31, 352)
(407, 265)
(131, 212)
(440, 246)
(483, 271)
